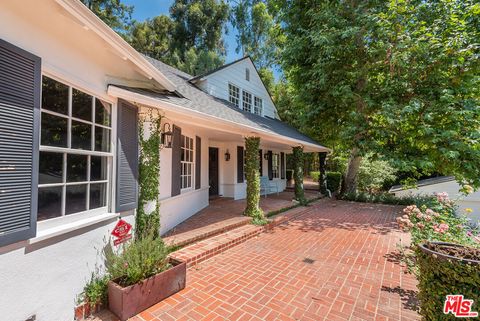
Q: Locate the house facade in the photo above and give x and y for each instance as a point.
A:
(72, 97)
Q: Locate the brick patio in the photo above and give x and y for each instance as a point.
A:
(224, 214)
(336, 261)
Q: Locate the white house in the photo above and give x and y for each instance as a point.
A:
(447, 184)
(71, 91)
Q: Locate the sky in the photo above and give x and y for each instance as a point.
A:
(144, 9)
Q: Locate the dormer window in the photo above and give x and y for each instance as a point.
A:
(258, 105)
(234, 95)
(247, 74)
(247, 101)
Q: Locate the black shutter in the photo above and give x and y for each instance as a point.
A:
(240, 164)
(270, 160)
(260, 160)
(20, 85)
(282, 165)
(176, 160)
(198, 161)
(127, 157)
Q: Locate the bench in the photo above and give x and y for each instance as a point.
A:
(267, 186)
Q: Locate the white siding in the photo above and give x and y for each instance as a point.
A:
(216, 85)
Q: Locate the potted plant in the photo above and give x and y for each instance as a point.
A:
(142, 275)
(447, 269)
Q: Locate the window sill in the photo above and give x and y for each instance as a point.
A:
(69, 227)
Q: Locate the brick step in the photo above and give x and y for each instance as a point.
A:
(199, 234)
(205, 249)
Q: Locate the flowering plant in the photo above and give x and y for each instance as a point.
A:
(437, 220)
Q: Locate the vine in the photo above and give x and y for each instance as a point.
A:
(298, 174)
(253, 209)
(147, 220)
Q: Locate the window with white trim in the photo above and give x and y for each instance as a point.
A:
(234, 95)
(187, 161)
(258, 105)
(247, 101)
(275, 165)
(75, 155)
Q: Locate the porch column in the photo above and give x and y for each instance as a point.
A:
(253, 209)
(298, 173)
(322, 179)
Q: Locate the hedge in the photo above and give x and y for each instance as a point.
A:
(334, 180)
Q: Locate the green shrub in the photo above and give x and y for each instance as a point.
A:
(252, 174)
(334, 180)
(137, 260)
(95, 291)
(386, 198)
(374, 175)
(440, 277)
(315, 176)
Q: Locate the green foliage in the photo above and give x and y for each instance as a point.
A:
(252, 145)
(113, 12)
(385, 198)
(375, 175)
(437, 220)
(394, 78)
(297, 159)
(137, 261)
(148, 175)
(315, 176)
(334, 180)
(440, 277)
(96, 290)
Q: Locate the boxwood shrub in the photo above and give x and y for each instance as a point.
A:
(440, 276)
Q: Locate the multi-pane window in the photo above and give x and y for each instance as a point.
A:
(258, 105)
(74, 151)
(247, 101)
(275, 165)
(234, 95)
(186, 175)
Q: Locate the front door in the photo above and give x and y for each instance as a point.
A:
(213, 170)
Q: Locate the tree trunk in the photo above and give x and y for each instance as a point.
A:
(350, 180)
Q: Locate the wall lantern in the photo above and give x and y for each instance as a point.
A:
(166, 138)
(227, 155)
(265, 156)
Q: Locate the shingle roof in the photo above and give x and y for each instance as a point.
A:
(192, 97)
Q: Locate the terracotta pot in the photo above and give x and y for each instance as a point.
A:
(125, 302)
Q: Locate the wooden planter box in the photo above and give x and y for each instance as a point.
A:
(125, 302)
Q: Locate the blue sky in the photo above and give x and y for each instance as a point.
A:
(150, 8)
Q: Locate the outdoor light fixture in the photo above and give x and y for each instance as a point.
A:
(227, 155)
(166, 138)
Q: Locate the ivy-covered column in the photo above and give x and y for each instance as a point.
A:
(252, 174)
(148, 214)
(298, 174)
(322, 179)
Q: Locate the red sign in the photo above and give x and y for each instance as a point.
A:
(121, 232)
(459, 307)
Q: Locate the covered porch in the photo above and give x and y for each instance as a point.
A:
(223, 214)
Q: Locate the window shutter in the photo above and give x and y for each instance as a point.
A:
(270, 165)
(20, 86)
(260, 160)
(198, 161)
(127, 157)
(176, 160)
(240, 164)
(282, 165)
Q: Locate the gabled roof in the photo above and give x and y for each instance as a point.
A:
(194, 79)
(91, 22)
(193, 98)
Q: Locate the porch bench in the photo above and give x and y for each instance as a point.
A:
(267, 186)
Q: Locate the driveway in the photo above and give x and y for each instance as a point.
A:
(336, 262)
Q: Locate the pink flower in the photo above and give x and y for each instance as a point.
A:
(419, 216)
(442, 197)
(405, 217)
(441, 228)
(125, 265)
(428, 218)
(420, 225)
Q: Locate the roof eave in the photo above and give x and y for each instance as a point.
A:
(94, 23)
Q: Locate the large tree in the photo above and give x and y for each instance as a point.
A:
(113, 12)
(399, 79)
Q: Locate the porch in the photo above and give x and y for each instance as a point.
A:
(224, 214)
